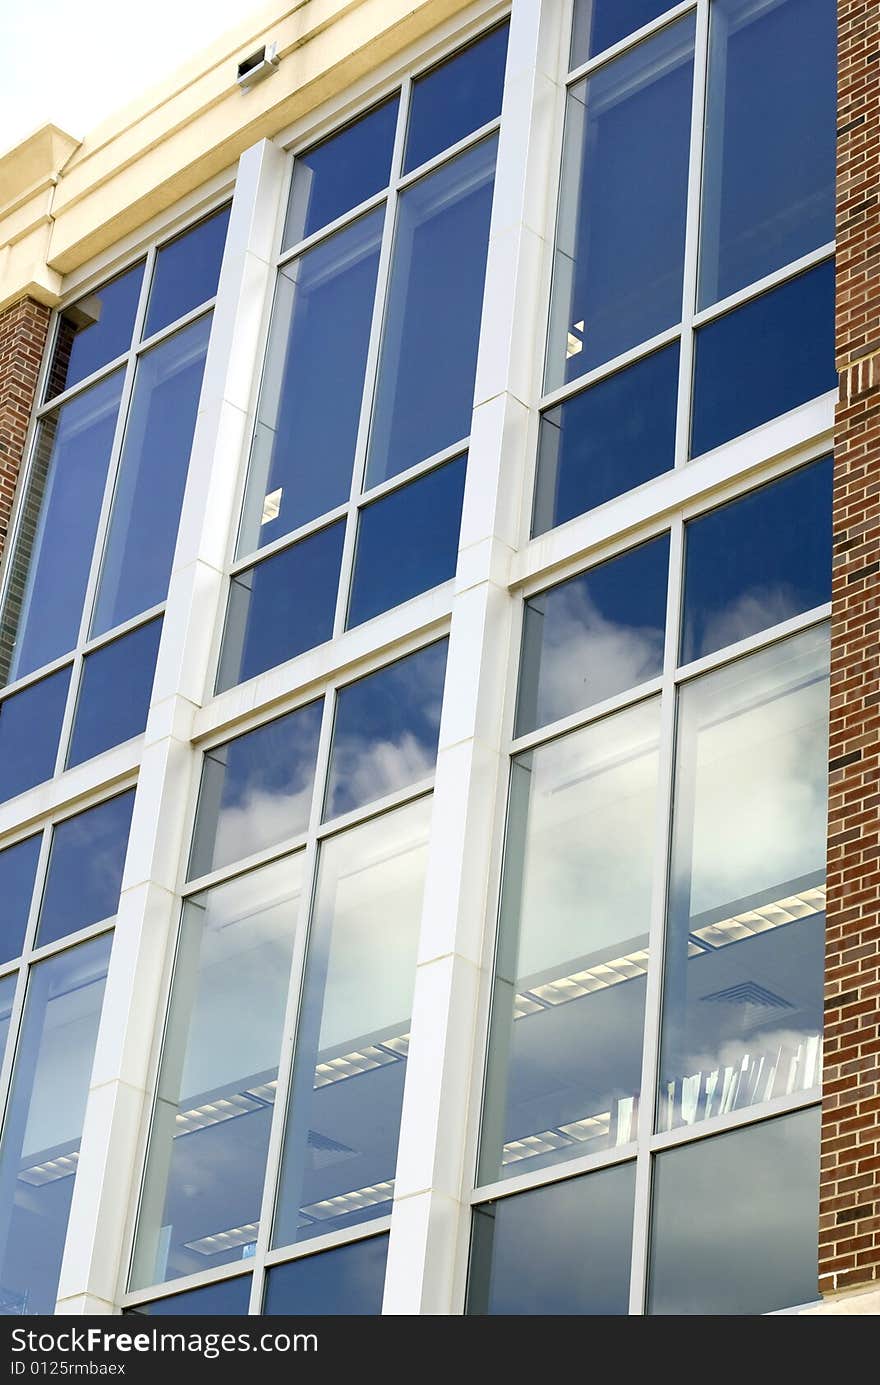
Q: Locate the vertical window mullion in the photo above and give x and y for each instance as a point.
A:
(653, 996)
(692, 235)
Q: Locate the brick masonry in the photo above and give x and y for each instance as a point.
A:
(23, 329)
(849, 1220)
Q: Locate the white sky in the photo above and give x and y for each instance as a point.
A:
(76, 61)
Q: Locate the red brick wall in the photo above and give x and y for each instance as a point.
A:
(849, 1222)
(23, 329)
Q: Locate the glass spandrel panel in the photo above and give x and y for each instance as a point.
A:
(30, 729)
(281, 607)
(256, 790)
(341, 172)
(386, 730)
(86, 859)
(565, 1050)
(758, 560)
(768, 170)
(459, 96)
(49, 568)
(346, 1282)
(611, 437)
(200, 1204)
(760, 360)
(114, 693)
(18, 870)
(343, 1121)
(227, 1298)
(407, 541)
(44, 1121)
(617, 272)
(593, 636)
(598, 24)
(557, 1251)
(152, 476)
(427, 365)
(734, 1221)
(742, 998)
(313, 381)
(187, 271)
(94, 330)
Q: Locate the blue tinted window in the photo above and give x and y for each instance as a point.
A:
(30, 728)
(114, 695)
(53, 551)
(95, 330)
(768, 181)
(560, 1250)
(593, 636)
(281, 607)
(617, 277)
(227, 1298)
(606, 440)
(599, 23)
(341, 172)
(764, 359)
(456, 98)
(152, 477)
(734, 1221)
(346, 1282)
(85, 869)
(407, 542)
(386, 730)
(256, 790)
(313, 383)
(18, 868)
(758, 561)
(187, 271)
(425, 390)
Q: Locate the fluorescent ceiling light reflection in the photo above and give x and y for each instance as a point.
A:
(225, 1108)
(354, 1201)
(272, 506)
(578, 1132)
(750, 922)
(53, 1169)
(225, 1240)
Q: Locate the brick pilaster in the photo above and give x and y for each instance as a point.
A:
(849, 1221)
(23, 329)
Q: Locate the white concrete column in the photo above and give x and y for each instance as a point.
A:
(99, 1235)
(430, 1218)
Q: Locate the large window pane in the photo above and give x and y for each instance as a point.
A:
(18, 870)
(226, 1298)
(558, 1251)
(341, 172)
(310, 398)
(600, 23)
(341, 1144)
(565, 1051)
(742, 1000)
(425, 392)
(768, 185)
(53, 552)
(152, 476)
(30, 729)
(763, 359)
(735, 1217)
(386, 730)
(114, 694)
(407, 542)
(95, 330)
(758, 560)
(617, 272)
(44, 1120)
(200, 1205)
(593, 636)
(85, 869)
(256, 790)
(347, 1282)
(187, 271)
(459, 96)
(281, 606)
(607, 439)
